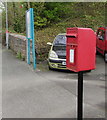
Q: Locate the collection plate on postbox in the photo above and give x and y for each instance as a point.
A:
(80, 49)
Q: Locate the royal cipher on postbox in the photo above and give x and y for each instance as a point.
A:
(80, 49)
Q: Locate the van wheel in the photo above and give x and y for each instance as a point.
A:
(105, 57)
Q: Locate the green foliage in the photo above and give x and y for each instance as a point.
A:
(46, 14)
(40, 22)
(54, 12)
(51, 15)
(51, 18)
(16, 16)
(20, 56)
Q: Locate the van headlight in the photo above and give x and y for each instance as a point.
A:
(53, 54)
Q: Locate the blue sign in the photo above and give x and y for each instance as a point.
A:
(30, 35)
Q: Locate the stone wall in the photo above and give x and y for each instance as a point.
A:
(18, 43)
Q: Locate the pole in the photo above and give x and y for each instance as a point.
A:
(80, 96)
(33, 40)
(7, 41)
(28, 51)
(28, 4)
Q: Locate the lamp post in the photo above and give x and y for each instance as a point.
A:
(28, 4)
(7, 40)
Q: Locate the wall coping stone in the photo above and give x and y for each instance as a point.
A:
(18, 36)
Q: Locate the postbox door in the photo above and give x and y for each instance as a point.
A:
(72, 42)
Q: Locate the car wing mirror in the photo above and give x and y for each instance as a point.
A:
(49, 43)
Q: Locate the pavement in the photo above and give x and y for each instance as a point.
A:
(49, 94)
(0, 81)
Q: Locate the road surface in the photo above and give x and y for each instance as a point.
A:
(49, 94)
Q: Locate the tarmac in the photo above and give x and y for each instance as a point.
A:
(35, 94)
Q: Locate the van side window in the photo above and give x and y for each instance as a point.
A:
(101, 34)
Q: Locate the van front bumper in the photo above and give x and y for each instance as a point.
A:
(57, 64)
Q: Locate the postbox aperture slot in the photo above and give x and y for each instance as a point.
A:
(71, 35)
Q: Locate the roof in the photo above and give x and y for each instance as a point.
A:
(62, 34)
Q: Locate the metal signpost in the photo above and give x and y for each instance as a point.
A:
(30, 36)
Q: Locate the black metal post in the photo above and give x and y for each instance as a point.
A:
(80, 96)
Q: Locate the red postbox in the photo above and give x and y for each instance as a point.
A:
(80, 49)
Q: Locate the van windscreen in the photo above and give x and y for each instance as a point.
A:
(60, 40)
